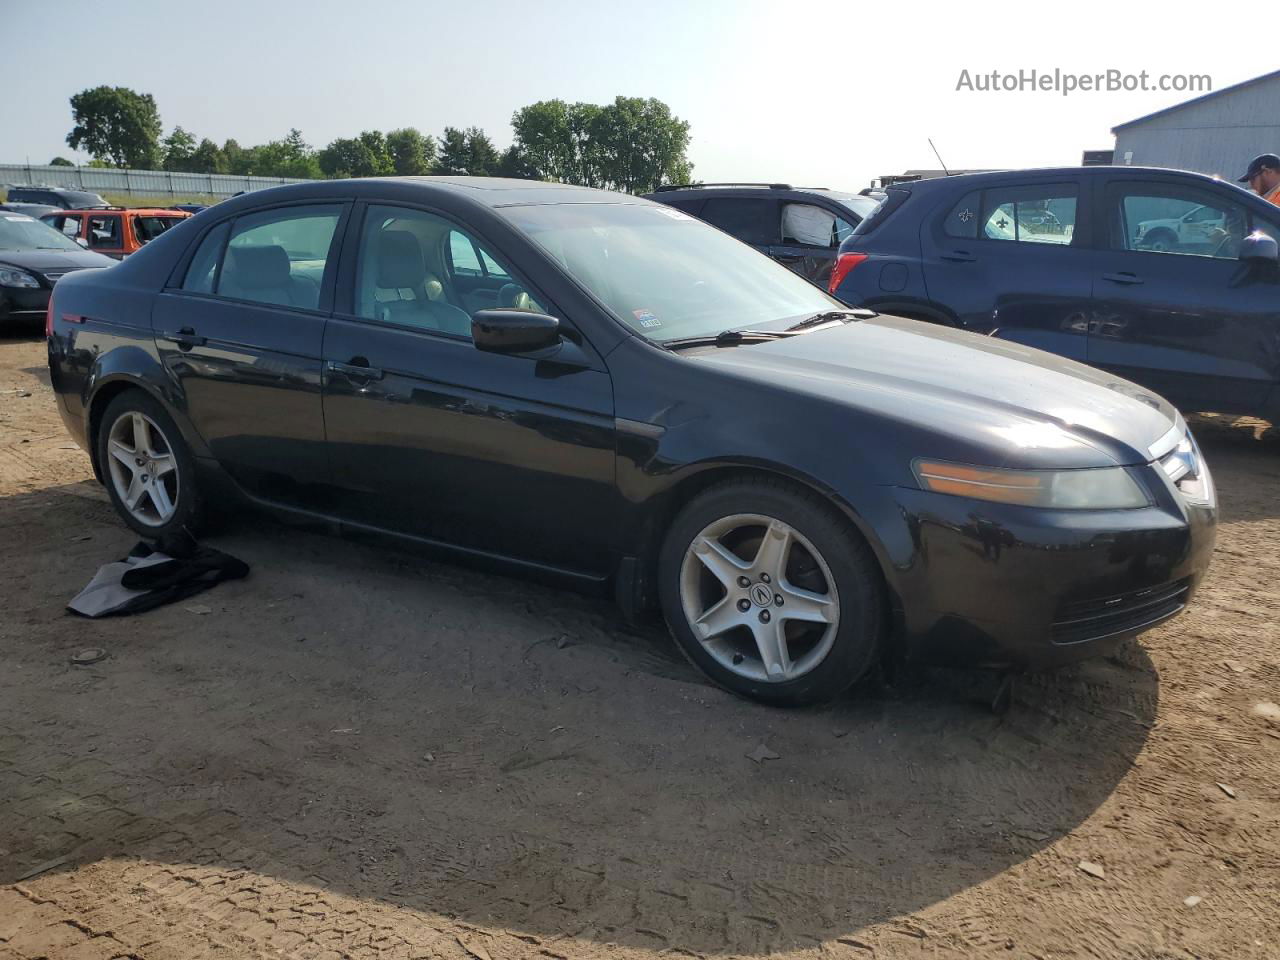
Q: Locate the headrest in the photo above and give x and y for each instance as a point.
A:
(512, 295)
(256, 268)
(400, 262)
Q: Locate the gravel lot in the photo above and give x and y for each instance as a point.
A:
(359, 753)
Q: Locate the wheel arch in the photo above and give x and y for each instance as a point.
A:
(106, 388)
(638, 571)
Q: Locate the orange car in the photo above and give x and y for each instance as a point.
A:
(115, 231)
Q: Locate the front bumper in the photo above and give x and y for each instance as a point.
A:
(1007, 586)
(23, 304)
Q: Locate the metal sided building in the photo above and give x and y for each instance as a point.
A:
(1217, 133)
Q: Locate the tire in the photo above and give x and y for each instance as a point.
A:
(1160, 241)
(832, 612)
(162, 447)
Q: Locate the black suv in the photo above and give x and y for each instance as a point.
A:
(1163, 277)
(801, 227)
(57, 197)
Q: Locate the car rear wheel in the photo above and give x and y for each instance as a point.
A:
(149, 473)
(771, 593)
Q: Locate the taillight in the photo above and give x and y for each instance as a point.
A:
(844, 263)
(48, 318)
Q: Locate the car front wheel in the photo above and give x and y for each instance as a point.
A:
(771, 592)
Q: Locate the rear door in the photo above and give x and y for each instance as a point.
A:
(1015, 261)
(105, 233)
(241, 334)
(512, 455)
(753, 220)
(1174, 307)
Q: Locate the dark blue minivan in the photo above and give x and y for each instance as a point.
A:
(1166, 278)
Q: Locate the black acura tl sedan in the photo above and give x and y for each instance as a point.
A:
(603, 390)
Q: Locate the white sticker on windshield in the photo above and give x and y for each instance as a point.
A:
(673, 214)
(647, 319)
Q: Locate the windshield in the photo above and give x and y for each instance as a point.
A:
(664, 273)
(18, 232)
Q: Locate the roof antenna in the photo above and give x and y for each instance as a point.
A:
(945, 171)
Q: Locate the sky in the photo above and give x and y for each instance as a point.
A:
(817, 94)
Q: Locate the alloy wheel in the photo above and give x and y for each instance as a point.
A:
(760, 597)
(143, 468)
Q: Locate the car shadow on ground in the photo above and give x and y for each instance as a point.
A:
(367, 724)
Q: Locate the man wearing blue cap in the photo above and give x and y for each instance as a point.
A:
(1263, 177)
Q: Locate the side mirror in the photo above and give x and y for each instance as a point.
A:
(1259, 246)
(514, 331)
(83, 242)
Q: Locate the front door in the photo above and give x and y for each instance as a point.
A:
(811, 236)
(1175, 308)
(242, 336)
(1014, 262)
(509, 455)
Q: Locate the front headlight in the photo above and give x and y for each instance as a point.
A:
(1100, 488)
(13, 277)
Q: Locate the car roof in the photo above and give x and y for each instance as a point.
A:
(776, 191)
(491, 192)
(976, 181)
(149, 211)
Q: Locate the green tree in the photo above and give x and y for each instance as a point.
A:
(208, 158)
(639, 145)
(234, 156)
(290, 157)
(514, 163)
(482, 155)
(554, 138)
(412, 154)
(453, 152)
(118, 125)
(362, 156)
(61, 162)
(179, 147)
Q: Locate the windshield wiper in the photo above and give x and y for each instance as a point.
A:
(833, 316)
(727, 338)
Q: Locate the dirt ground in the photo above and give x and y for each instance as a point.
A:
(359, 753)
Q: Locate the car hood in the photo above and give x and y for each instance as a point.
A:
(995, 402)
(55, 260)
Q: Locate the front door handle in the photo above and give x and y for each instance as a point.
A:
(1122, 277)
(357, 369)
(959, 256)
(185, 339)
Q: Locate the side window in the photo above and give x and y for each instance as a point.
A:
(962, 220)
(809, 226)
(1041, 213)
(749, 219)
(146, 229)
(463, 258)
(202, 274)
(1160, 218)
(279, 256)
(844, 230)
(418, 270)
(104, 231)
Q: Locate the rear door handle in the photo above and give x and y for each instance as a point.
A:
(959, 256)
(1122, 277)
(358, 369)
(185, 339)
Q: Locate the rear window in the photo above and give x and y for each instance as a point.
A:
(895, 197)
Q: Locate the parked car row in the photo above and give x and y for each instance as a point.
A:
(1165, 277)
(607, 391)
